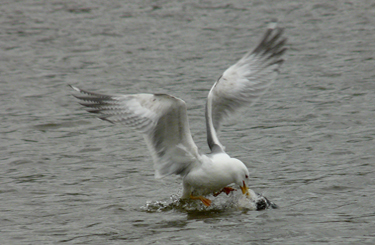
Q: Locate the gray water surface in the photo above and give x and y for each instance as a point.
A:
(66, 177)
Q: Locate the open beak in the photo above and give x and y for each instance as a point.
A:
(245, 189)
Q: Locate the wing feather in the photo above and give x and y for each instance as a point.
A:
(244, 82)
(161, 118)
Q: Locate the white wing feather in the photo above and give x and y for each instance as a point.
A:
(244, 82)
(161, 118)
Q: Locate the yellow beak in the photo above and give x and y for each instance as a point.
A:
(245, 189)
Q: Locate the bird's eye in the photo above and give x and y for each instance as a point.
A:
(246, 176)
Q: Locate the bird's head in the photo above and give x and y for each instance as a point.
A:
(242, 177)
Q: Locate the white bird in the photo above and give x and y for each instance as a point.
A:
(163, 121)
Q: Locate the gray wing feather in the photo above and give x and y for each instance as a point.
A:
(244, 82)
(161, 118)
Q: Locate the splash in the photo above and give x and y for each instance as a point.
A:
(222, 203)
(255, 201)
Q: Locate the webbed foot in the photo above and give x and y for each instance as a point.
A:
(205, 201)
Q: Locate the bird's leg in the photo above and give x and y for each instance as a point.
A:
(227, 190)
(217, 193)
(205, 201)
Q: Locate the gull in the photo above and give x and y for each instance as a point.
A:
(163, 121)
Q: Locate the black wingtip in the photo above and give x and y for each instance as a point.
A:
(271, 41)
(105, 119)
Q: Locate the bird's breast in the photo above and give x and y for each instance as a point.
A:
(210, 176)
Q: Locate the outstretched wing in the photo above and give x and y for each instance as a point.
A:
(244, 82)
(161, 118)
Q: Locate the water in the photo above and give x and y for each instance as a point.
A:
(309, 142)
